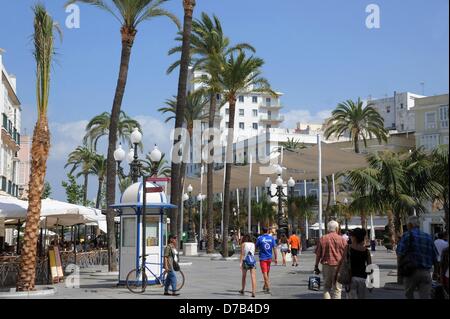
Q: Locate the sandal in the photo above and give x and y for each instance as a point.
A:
(253, 295)
(241, 292)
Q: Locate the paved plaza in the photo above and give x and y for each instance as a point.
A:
(219, 279)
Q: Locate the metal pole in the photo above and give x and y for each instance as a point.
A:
(257, 201)
(200, 232)
(221, 222)
(237, 202)
(18, 238)
(306, 218)
(144, 239)
(334, 189)
(182, 216)
(249, 230)
(319, 147)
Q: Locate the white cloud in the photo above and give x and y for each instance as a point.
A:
(65, 137)
(154, 132)
(291, 118)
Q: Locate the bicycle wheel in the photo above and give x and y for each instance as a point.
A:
(180, 279)
(134, 281)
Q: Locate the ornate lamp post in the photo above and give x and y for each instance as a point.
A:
(281, 219)
(291, 185)
(189, 202)
(346, 207)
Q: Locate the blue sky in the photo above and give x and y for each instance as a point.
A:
(317, 53)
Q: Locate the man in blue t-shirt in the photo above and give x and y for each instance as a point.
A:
(266, 244)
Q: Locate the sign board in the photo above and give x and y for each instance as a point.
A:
(54, 259)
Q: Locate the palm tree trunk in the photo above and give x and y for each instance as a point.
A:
(85, 188)
(209, 179)
(39, 154)
(226, 190)
(356, 143)
(391, 231)
(188, 6)
(363, 220)
(128, 36)
(99, 193)
(398, 225)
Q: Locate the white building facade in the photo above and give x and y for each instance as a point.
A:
(396, 111)
(10, 109)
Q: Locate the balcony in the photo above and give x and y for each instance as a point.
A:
(271, 118)
(274, 105)
(10, 130)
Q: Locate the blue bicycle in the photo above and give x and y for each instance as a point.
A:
(135, 277)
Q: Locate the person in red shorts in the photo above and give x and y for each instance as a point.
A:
(266, 244)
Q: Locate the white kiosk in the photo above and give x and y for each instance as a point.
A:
(130, 212)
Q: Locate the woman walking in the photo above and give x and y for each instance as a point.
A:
(284, 247)
(248, 262)
(359, 258)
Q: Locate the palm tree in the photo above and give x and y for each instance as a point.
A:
(129, 13)
(161, 168)
(98, 168)
(98, 127)
(292, 145)
(439, 158)
(357, 121)
(82, 157)
(304, 211)
(238, 74)
(263, 211)
(208, 44)
(43, 40)
(176, 183)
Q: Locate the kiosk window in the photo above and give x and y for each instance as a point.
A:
(129, 232)
(152, 232)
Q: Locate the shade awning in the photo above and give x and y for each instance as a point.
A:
(300, 164)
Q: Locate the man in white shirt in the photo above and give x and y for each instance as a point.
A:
(441, 243)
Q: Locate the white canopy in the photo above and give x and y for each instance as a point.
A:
(53, 212)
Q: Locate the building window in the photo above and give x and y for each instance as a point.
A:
(403, 127)
(443, 116)
(429, 142)
(241, 98)
(430, 120)
(241, 125)
(241, 112)
(393, 125)
(268, 126)
(401, 105)
(227, 111)
(255, 113)
(254, 99)
(218, 97)
(445, 140)
(255, 126)
(268, 101)
(388, 109)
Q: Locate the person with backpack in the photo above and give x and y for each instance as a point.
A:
(417, 255)
(248, 263)
(266, 244)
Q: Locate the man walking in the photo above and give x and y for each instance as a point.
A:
(329, 253)
(418, 247)
(296, 245)
(266, 244)
(170, 265)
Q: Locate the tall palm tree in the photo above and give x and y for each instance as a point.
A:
(81, 158)
(161, 168)
(357, 121)
(43, 40)
(130, 14)
(208, 44)
(196, 109)
(98, 127)
(263, 211)
(176, 186)
(98, 168)
(239, 74)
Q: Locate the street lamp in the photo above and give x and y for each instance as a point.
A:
(281, 219)
(189, 201)
(132, 157)
(346, 207)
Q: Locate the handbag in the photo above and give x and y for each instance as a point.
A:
(344, 275)
(407, 263)
(176, 266)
